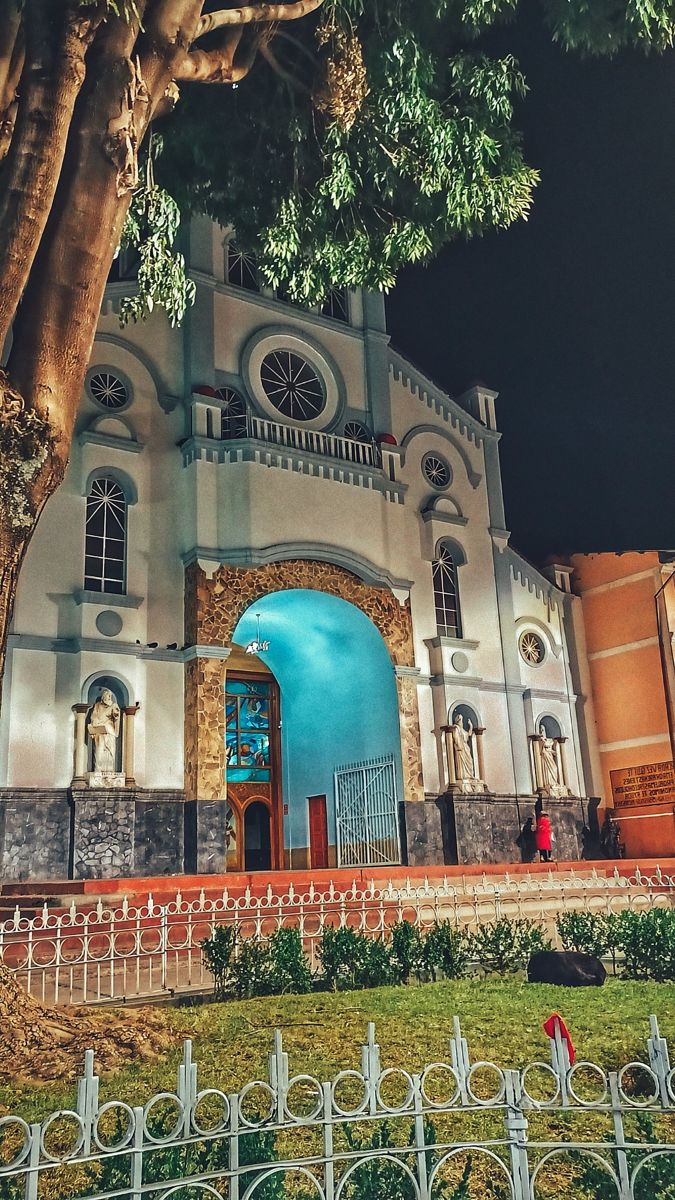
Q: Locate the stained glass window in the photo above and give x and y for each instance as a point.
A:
(247, 730)
(446, 595)
(105, 537)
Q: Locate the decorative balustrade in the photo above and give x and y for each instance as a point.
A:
(311, 441)
(87, 955)
(528, 1131)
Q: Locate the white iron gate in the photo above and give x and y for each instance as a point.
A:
(366, 813)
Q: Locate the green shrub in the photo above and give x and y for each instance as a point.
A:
(217, 952)
(252, 970)
(586, 932)
(647, 940)
(507, 945)
(352, 960)
(446, 950)
(407, 951)
(290, 968)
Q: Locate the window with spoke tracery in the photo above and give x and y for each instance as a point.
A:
(292, 385)
(446, 594)
(105, 537)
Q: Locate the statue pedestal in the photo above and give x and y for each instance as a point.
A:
(106, 779)
(467, 787)
(560, 792)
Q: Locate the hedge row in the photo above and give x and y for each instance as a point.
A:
(349, 960)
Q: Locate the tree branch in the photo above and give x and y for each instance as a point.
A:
(222, 64)
(10, 27)
(250, 14)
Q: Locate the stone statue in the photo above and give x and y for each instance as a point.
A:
(550, 770)
(462, 739)
(104, 730)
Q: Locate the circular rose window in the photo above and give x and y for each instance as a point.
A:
(531, 648)
(436, 470)
(292, 385)
(108, 390)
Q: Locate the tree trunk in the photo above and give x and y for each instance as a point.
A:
(57, 39)
(12, 551)
(56, 323)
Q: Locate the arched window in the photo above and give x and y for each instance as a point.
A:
(240, 268)
(446, 593)
(105, 542)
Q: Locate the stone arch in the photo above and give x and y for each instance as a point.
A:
(214, 605)
(552, 645)
(473, 476)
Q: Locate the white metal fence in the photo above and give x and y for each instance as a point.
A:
(89, 955)
(301, 1138)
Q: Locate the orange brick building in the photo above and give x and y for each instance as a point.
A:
(628, 603)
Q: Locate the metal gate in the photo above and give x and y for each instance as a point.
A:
(366, 813)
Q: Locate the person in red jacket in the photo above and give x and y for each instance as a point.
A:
(542, 837)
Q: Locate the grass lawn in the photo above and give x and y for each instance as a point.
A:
(323, 1033)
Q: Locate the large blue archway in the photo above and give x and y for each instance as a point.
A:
(338, 694)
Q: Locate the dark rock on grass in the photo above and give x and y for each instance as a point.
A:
(566, 968)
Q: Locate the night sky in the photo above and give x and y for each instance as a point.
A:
(571, 315)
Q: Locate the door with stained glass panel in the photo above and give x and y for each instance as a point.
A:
(252, 767)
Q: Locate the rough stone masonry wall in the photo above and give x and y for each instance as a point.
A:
(205, 729)
(213, 607)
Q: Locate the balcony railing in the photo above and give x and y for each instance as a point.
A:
(311, 441)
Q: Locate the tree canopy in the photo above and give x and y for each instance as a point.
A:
(341, 139)
(374, 131)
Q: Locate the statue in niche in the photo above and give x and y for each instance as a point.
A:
(462, 740)
(550, 770)
(104, 730)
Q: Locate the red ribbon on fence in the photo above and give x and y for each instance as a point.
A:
(549, 1028)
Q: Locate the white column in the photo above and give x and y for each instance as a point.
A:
(562, 760)
(80, 759)
(535, 743)
(479, 753)
(128, 745)
(449, 754)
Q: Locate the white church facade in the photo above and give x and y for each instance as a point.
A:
(272, 619)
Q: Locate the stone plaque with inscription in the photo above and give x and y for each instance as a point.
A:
(648, 784)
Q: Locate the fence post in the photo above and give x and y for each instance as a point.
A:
(137, 1155)
(164, 945)
(371, 1067)
(33, 1172)
(328, 1151)
(87, 1099)
(233, 1157)
(421, 1148)
(516, 1132)
(659, 1060)
(619, 1138)
(461, 1061)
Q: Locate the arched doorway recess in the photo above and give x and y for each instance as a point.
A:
(338, 714)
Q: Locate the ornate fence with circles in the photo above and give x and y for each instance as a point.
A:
(531, 1131)
(94, 954)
